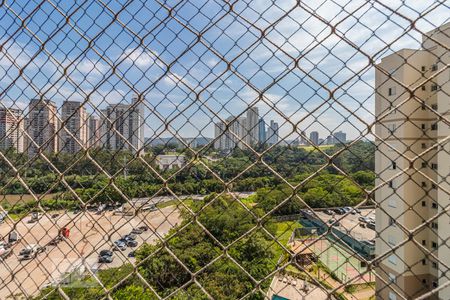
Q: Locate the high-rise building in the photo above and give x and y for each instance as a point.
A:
(74, 127)
(330, 140)
(42, 126)
(11, 129)
(262, 131)
(233, 137)
(314, 137)
(93, 132)
(410, 198)
(122, 126)
(272, 133)
(252, 126)
(303, 140)
(339, 137)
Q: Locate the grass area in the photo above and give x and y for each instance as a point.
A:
(249, 201)
(314, 148)
(187, 202)
(285, 229)
(13, 199)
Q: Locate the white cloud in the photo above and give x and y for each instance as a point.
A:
(141, 58)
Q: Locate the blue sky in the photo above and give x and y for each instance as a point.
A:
(276, 55)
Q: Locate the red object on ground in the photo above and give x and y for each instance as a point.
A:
(65, 232)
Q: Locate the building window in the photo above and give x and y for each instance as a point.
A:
(435, 284)
(423, 68)
(391, 91)
(434, 205)
(434, 126)
(424, 242)
(434, 67)
(391, 184)
(424, 184)
(392, 278)
(424, 164)
(434, 166)
(424, 281)
(434, 106)
(434, 265)
(391, 221)
(433, 186)
(424, 262)
(434, 225)
(434, 245)
(392, 296)
(424, 146)
(391, 240)
(424, 88)
(435, 87)
(394, 165)
(423, 126)
(391, 128)
(424, 203)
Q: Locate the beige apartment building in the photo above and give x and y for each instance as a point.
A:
(412, 92)
(74, 131)
(42, 126)
(11, 129)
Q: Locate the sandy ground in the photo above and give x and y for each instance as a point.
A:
(90, 233)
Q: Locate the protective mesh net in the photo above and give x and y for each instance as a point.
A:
(224, 149)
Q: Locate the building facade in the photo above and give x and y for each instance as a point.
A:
(42, 127)
(273, 133)
(74, 127)
(93, 132)
(262, 131)
(409, 198)
(314, 137)
(122, 126)
(12, 129)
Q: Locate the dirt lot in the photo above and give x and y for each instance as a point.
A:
(89, 233)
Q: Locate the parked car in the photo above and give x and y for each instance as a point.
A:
(334, 222)
(120, 245)
(105, 256)
(130, 236)
(339, 211)
(5, 253)
(328, 212)
(371, 225)
(30, 252)
(131, 243)
(132, 254)
(136, 231)
(143, 228)
(364, 219)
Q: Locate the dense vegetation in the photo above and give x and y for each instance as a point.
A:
(327, 188)
(197, 251)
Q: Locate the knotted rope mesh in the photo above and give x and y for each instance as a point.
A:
(224, 149)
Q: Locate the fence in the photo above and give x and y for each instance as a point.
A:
(169, 149)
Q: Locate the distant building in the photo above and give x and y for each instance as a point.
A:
(122, 126)
(74, 130)
(262, 131)
(11, 129)
(303, 140)
(234, 136)
(93, 132)
(314, 137)
(330, 140)
(273, 133)
(170, 161)
(340, 137)
(42, 126)
(252, 126)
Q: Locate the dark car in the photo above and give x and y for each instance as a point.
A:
(120, 245)
(371, 225)
(106, 253)
(130, 236)
(339, 211)
(143, 228)
(106, 259)
(328, 212)
(132, 254)
(131, 243)
(137, 231)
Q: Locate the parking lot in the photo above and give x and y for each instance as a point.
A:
(351, 225)
(89, 233)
